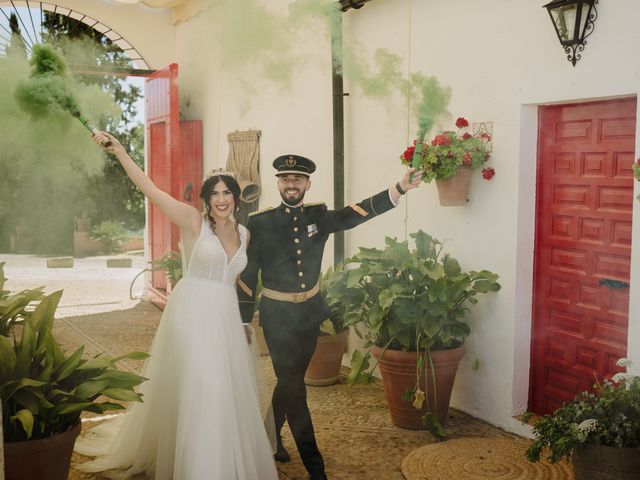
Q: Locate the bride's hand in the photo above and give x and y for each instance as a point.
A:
(248, 330)
(108, 143)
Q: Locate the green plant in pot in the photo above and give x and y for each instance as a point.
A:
(324, 367)
(599, 431)
(44, 390)
(409, 306)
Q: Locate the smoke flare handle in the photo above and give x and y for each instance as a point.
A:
(83, 120)
(417, 156)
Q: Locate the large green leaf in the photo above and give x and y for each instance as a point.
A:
(25, 417)
(69, 365)
(122, 394)
(12, 387)
(359, 365)
(72, 407)
(89, 389)
(118, 379)
(131, 356)
(7, 360)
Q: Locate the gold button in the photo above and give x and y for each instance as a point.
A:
(299, 252)
(300, 274)
(297, 240)
(299, 262)
(303, 286)
(295, 229)
(295, 218)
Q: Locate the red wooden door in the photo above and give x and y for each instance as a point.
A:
(583, 247)
(163, 138)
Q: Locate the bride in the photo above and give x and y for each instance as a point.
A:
(201, 416)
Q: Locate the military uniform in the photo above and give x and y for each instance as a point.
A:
(286, 247)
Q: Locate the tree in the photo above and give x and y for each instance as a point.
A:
(89, 50)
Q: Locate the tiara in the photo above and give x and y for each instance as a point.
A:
(216, 172)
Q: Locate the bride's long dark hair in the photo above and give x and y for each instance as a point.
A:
(207, 190)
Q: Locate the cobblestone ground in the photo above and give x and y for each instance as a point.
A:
(353, 428)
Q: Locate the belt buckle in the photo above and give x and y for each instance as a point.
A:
(299, 297)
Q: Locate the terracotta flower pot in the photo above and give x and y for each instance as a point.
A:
(398, 370)
(46, 458)
(454, 191)
(324, 368)
(597, 462)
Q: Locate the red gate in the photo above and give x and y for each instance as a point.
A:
(583, 247)
(174, 153)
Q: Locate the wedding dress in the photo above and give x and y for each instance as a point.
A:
(201, 416)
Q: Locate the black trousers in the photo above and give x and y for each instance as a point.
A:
(291, 352)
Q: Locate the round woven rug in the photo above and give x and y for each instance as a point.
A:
(480, 459)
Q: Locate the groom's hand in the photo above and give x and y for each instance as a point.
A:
(247, 331)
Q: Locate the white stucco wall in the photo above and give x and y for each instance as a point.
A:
(501, 59)
(149, 30)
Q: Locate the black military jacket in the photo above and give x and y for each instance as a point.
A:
(286, 246)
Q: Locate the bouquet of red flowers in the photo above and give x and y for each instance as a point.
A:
(450, 151)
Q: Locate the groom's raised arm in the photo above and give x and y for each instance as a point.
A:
(357, 213)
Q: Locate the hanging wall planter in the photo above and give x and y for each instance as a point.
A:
(454, 190)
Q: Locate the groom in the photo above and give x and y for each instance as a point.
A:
(286, 246)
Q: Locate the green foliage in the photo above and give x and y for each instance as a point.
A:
(45, 160)
(111, 234)
(171, 263)
(448, 152)
(410, 300)
(43, 390)
(610, 417)
(331, 290)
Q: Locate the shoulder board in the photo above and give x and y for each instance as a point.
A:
(314, 204)
(258, 212)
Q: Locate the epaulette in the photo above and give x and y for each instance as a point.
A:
(258, 212)
(313, 204)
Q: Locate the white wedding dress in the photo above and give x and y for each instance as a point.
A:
(202, 416)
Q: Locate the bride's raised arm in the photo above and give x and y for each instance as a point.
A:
(182, 214)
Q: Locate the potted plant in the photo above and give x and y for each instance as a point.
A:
(324, 367)
(44, 390)
(599, 431)
(412, 304)
(450, 159)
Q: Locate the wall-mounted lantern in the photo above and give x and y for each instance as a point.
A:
(573, 21)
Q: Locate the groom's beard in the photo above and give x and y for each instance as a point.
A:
(292, 199)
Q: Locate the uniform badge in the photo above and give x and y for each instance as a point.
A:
(312, 229)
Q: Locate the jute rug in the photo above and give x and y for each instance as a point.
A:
(480, 459)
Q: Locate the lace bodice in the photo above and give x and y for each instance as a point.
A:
(209, 260)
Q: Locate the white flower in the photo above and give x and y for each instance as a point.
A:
(586, 427)
(622, 377)
(624, 362)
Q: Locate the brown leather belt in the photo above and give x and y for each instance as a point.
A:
(293, 297)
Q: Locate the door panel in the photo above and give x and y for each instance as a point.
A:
(583, 247)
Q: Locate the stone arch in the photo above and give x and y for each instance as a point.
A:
(119, 23)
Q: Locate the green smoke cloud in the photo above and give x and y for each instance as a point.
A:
(45, 164)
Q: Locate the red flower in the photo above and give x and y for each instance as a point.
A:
(466, 159)
(441, 139)
(462, 122)
(408, 154)
(485, 136)
(466, 136)
(488, 173)
(638, 161)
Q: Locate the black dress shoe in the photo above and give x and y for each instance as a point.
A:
(281, 455)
